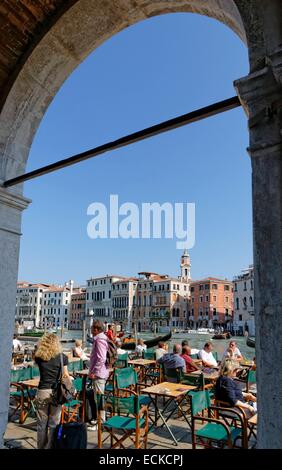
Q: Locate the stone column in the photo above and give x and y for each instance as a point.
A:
(11, 206)
(261, 96)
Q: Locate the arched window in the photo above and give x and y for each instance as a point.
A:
(251, 302)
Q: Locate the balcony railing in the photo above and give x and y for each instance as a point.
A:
(159, 315)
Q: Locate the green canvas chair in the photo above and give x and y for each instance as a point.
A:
(251, 382)
(151, 355)
(128, 420)
(215, 432)
(71, 410)
(126, 379)
(122, 361)
(22, 398)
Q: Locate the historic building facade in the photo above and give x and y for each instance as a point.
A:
(77, 309)
(244, 308)
(29, 304)
(211, 303)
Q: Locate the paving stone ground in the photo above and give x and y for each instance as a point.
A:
(23, 436)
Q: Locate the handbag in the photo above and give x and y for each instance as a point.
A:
(64, 391)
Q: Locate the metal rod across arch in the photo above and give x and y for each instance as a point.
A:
(164, 126)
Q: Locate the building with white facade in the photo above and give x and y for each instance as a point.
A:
(99, 298)
(56, 301)
(244, 319)
(124, 298)
(29, 303)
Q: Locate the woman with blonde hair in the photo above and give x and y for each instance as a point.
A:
(228, 390)
(48, 359)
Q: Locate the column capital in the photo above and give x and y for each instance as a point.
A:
(275, 61)
(13, 200)
(261, 96)
(11, 207)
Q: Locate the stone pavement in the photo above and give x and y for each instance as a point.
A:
(23, 436)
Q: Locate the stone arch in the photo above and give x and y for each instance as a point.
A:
(82, 28)
(64, 47)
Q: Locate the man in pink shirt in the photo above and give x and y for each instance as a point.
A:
(98, 370)
(190, 364)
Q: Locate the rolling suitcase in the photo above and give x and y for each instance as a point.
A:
(70, 436)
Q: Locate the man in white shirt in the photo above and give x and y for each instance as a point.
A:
(207, 357)
(160, 350)
(141, 347)
(119, 347)
(17, 345)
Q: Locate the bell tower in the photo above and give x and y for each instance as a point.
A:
(185, 267)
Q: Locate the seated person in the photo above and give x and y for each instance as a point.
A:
(110, 333)
(173, 360)
(190, 364)
(119, 349)
(141, 347)
(228, 390)
(193, 350)
(128, 339)
(17, 345)
(79, 352)
(232, 352)
(161, 350)
(207, 357)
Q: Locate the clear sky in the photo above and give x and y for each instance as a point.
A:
(153, 71)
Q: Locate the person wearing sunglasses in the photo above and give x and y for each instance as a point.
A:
(232, 352)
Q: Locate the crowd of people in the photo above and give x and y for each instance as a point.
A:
(49, 357)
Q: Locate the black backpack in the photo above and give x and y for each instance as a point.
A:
(112, 354)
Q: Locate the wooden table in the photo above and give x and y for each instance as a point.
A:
(252, 425)
(31, 383)
(213, 375)
(175, 393)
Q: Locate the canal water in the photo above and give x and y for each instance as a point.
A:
(196, 341)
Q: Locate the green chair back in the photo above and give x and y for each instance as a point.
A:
(122, 360)
(175, 374)
(151, 355)
(194, 356)
(199, 401)
(126, 405)
(124, 378)
(21, 374)
(74, 366)
(35, 371)
(215, 355)
(77, 383)
(251, 377)
(194, 380)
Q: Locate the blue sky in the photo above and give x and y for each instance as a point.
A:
(150, 72)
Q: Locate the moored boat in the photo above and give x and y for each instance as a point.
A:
(150, 343)
(251, 342)
(222, 336)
